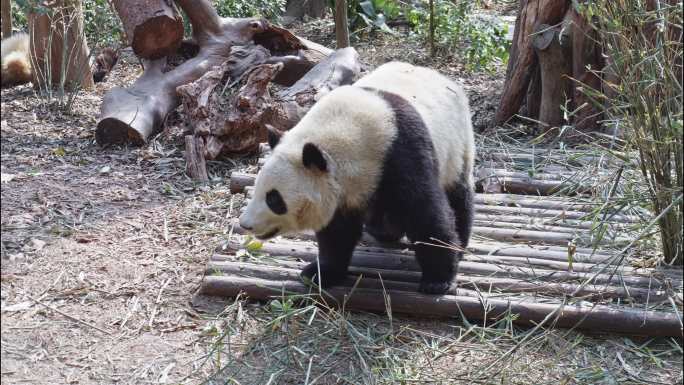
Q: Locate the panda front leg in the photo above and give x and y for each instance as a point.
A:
(336, 243)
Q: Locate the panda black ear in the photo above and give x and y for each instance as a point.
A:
(273, 136)
(312, 157)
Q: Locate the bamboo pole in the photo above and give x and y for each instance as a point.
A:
(394, 260)
(473, 284)
(594, 318)
(554, 253)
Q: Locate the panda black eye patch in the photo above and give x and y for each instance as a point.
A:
(275, 202)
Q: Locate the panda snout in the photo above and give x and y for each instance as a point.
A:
(245, 224)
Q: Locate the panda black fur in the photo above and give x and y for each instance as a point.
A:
(394, 151)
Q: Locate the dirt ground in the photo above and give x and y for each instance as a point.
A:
(102, 249)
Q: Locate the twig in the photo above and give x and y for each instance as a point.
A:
(69, 316)
(154, 310)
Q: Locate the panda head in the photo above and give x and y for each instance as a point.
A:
(294, 191)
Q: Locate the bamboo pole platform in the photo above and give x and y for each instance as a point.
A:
(532, 258)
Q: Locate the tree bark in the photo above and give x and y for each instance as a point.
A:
(194, 149)
(6, 19)
(586, 60)
(154, 27)
(520, 70)
(555, 67)
(59, 51)
(534, 94)
(341, 24)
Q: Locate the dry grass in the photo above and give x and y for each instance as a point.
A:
(293, 340)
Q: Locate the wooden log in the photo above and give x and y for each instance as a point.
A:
(240, 180)
(488, 223)
(154, 27)
(133, 114)
(195, 165)
(532, 186)
(290, 104)
(392, 260)
(555, 253)
(566, 214)
(535, 202)
(547, 237)
(474, 284)
(341, 24)
(552, 53)
(537, 221)
(594, 318)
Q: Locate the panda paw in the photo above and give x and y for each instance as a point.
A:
(432, 287)
(331, 276)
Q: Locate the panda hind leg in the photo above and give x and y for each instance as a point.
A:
(461, 195)
(336, 243)
(428, 223)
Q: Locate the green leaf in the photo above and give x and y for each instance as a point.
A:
(59, 151)
(254, 245)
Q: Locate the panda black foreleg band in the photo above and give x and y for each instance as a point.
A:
(336, 243)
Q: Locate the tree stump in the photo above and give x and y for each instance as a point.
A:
(236, 124)
(154, 27)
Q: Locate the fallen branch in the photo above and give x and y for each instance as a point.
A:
(486, 285)
(595, 318)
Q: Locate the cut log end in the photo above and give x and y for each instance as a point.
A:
(158, 37)
(114, 131)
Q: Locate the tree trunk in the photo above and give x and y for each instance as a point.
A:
(341, 24)
(554, 68)
(586, 60)
(59, 51)
(297, 9)
(523, 58)
(154, 27)
(6, 12)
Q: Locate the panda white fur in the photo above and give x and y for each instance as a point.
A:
(395, 152)
(15, 63)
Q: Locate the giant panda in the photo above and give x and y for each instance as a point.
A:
(16, 63)
(14, 60)
(393, 151)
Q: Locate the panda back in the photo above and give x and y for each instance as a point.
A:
(443, 106)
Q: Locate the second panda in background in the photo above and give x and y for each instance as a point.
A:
(394, 151)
